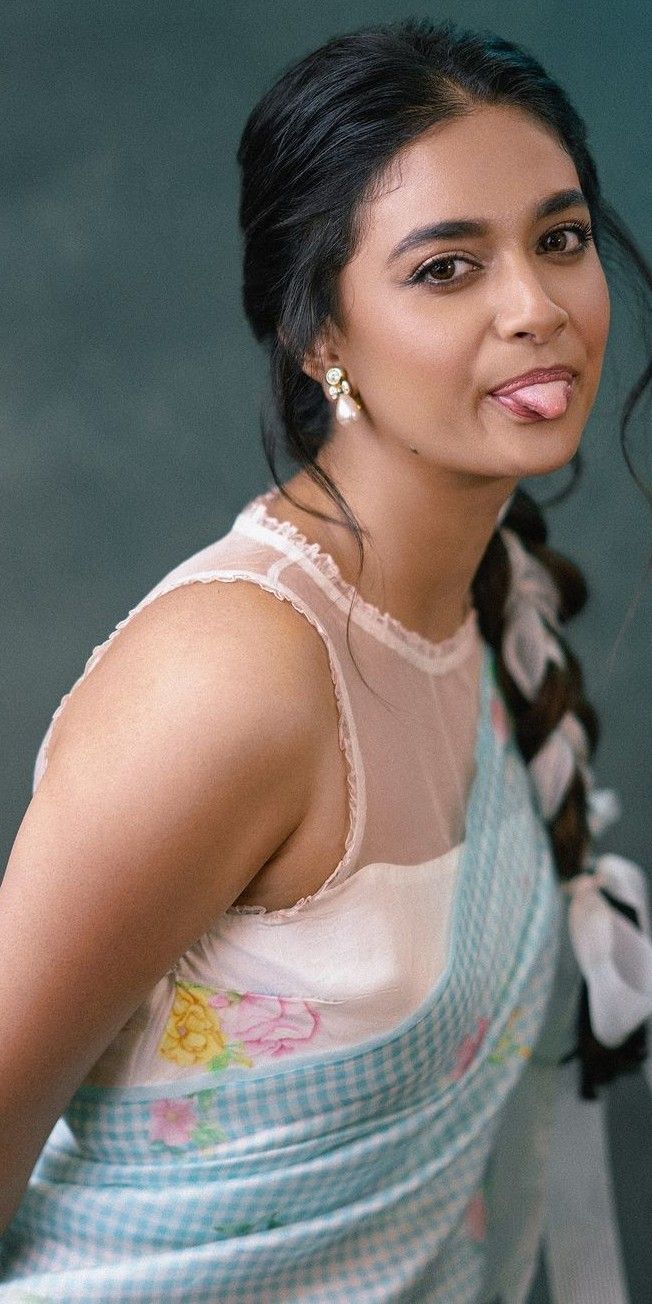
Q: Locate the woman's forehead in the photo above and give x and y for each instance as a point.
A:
(494, 164)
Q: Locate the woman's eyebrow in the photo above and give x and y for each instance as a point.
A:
(456, 228)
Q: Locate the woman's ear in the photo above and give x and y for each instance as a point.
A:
(318, 359)
(310, 363)
(313, 366)
(323, 355)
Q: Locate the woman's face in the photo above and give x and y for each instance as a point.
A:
(424, 348)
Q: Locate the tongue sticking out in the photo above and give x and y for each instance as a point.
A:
(549, 399)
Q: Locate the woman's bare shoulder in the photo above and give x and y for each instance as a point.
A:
(205, 638)
(186, 758)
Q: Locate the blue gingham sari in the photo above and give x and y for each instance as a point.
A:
(355, 1175)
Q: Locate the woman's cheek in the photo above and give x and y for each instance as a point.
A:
(594, 314)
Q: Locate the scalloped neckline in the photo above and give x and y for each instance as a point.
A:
(325, 563)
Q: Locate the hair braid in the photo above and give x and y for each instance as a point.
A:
(561, 690)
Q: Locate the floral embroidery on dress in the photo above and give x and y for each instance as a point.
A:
(193, 1034)
(507, 1045)
(267, 1025)
(469, 1047)
(250, 1026)
(177, 1123)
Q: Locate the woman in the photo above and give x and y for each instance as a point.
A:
(287, 897)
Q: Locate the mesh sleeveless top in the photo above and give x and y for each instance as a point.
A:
(312, 1104)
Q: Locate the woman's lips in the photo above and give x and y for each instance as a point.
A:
(546, 400)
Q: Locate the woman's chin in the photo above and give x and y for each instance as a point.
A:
(533, 447)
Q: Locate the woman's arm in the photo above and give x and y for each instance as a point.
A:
(177, 769)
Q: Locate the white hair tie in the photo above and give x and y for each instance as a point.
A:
(565, 750)
(531, 616)
(614, 955)
(532, 599)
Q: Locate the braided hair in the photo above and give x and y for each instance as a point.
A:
(312, 152)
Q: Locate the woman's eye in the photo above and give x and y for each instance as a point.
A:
(581, 230)
(441, 271)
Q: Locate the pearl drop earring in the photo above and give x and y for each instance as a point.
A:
(346, 407)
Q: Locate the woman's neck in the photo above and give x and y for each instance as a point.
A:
(424, 541)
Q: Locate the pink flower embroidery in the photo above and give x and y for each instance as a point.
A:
(475, 1217)
(220, 1001)
(267, 1025)
(499, 720)
(467, 1048)
(172, 1121)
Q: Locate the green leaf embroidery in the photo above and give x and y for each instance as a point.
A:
(204, 1099)
(233, 1053)
(207, 1134)
(507, 1044)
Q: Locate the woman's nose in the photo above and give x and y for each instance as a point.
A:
(524, 306)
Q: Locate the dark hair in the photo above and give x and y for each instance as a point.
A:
(314, 150)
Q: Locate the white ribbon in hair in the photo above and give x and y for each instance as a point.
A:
(531, 616)
(604, 809)
(614, 955)
(532, 599)
(565, 750)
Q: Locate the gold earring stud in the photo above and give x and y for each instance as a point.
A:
(346, 407)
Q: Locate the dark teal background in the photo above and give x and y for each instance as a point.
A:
(130, 385)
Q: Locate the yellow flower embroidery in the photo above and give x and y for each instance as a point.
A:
(507, 1044)
(193, 1034)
